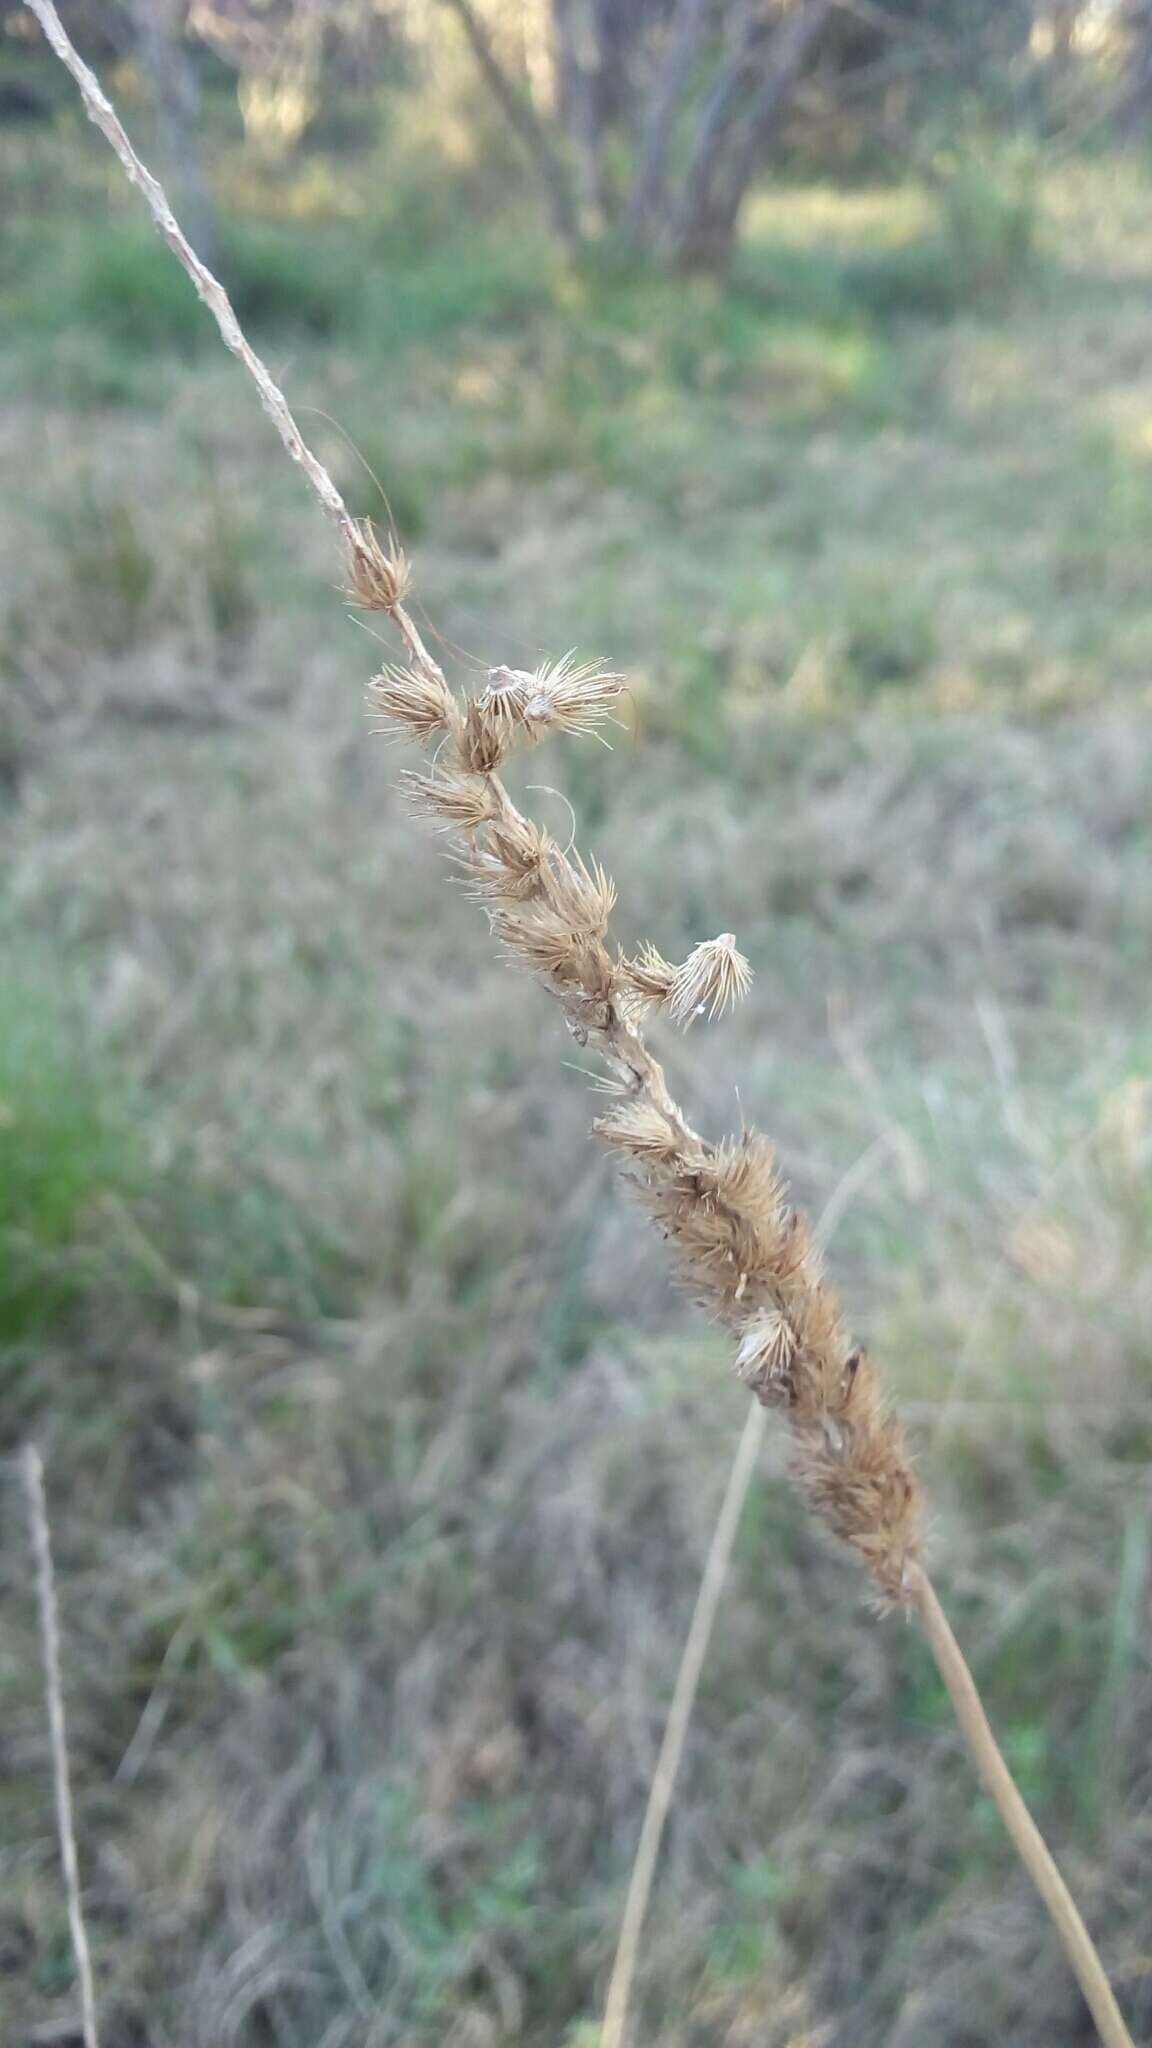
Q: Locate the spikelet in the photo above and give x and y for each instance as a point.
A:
(412, 702)
(522, 847)
(816, 1313)
(583, 894)
(862, 1485)
(649, 974)
(503, 699)
(547, 944)
(766, 1351)
(741, 1176)
(570, 696)
(489, 732)
(490, 880)
(512, 863)
(460, 803)
(641, 1129)
(379, 578)
(712, 978)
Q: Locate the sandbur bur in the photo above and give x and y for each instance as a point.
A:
(745, 1252)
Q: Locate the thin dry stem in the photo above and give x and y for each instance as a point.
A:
(32, 1473)
(1026, 1838)
(613, 2032)
(748, 1257)
(100, 110)
(377, 577)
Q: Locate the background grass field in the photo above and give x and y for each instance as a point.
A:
(382, 1457)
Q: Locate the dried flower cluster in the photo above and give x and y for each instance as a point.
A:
(747, 1254)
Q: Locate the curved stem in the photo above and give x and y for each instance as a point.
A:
(1025, 1836)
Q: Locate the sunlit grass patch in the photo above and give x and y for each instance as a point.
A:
(962, 235)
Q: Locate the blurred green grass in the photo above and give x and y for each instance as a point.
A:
(68, 1139)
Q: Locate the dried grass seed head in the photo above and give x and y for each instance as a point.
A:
(864, 1488)
(641, 1129)
(886, 1513)
(713, 977)
(519, 844)
(487, 735)
(489, 880)
(503, 699)
(570, 696)
(766, 1350)
(461, 803)
(580, 892)
(420, 705)
(379, 577)
(548, 945)
(649, 974)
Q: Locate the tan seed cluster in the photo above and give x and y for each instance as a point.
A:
(713, 979)
(746, 1254)
(379, 578)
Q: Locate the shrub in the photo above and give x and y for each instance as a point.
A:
(124, 286)
(282, 279)
(988, 210)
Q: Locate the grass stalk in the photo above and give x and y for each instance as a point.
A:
(614, 2032)
(32, 1473)
(751, 1259)
(1025, 1836)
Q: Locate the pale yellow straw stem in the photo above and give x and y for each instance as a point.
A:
(613, 2034)
(1026, 1838)
(32, 1471)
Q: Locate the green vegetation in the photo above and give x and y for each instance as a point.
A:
(67, 1141)
(381, 1457)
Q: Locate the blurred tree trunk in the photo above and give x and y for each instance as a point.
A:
(579, 30)
(1134, 109)
(523, 119)
(750, 96)
(164, 58)
(686, 41)
(625, 72)
(726, 95)
(279, 53)
(1063, 17)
